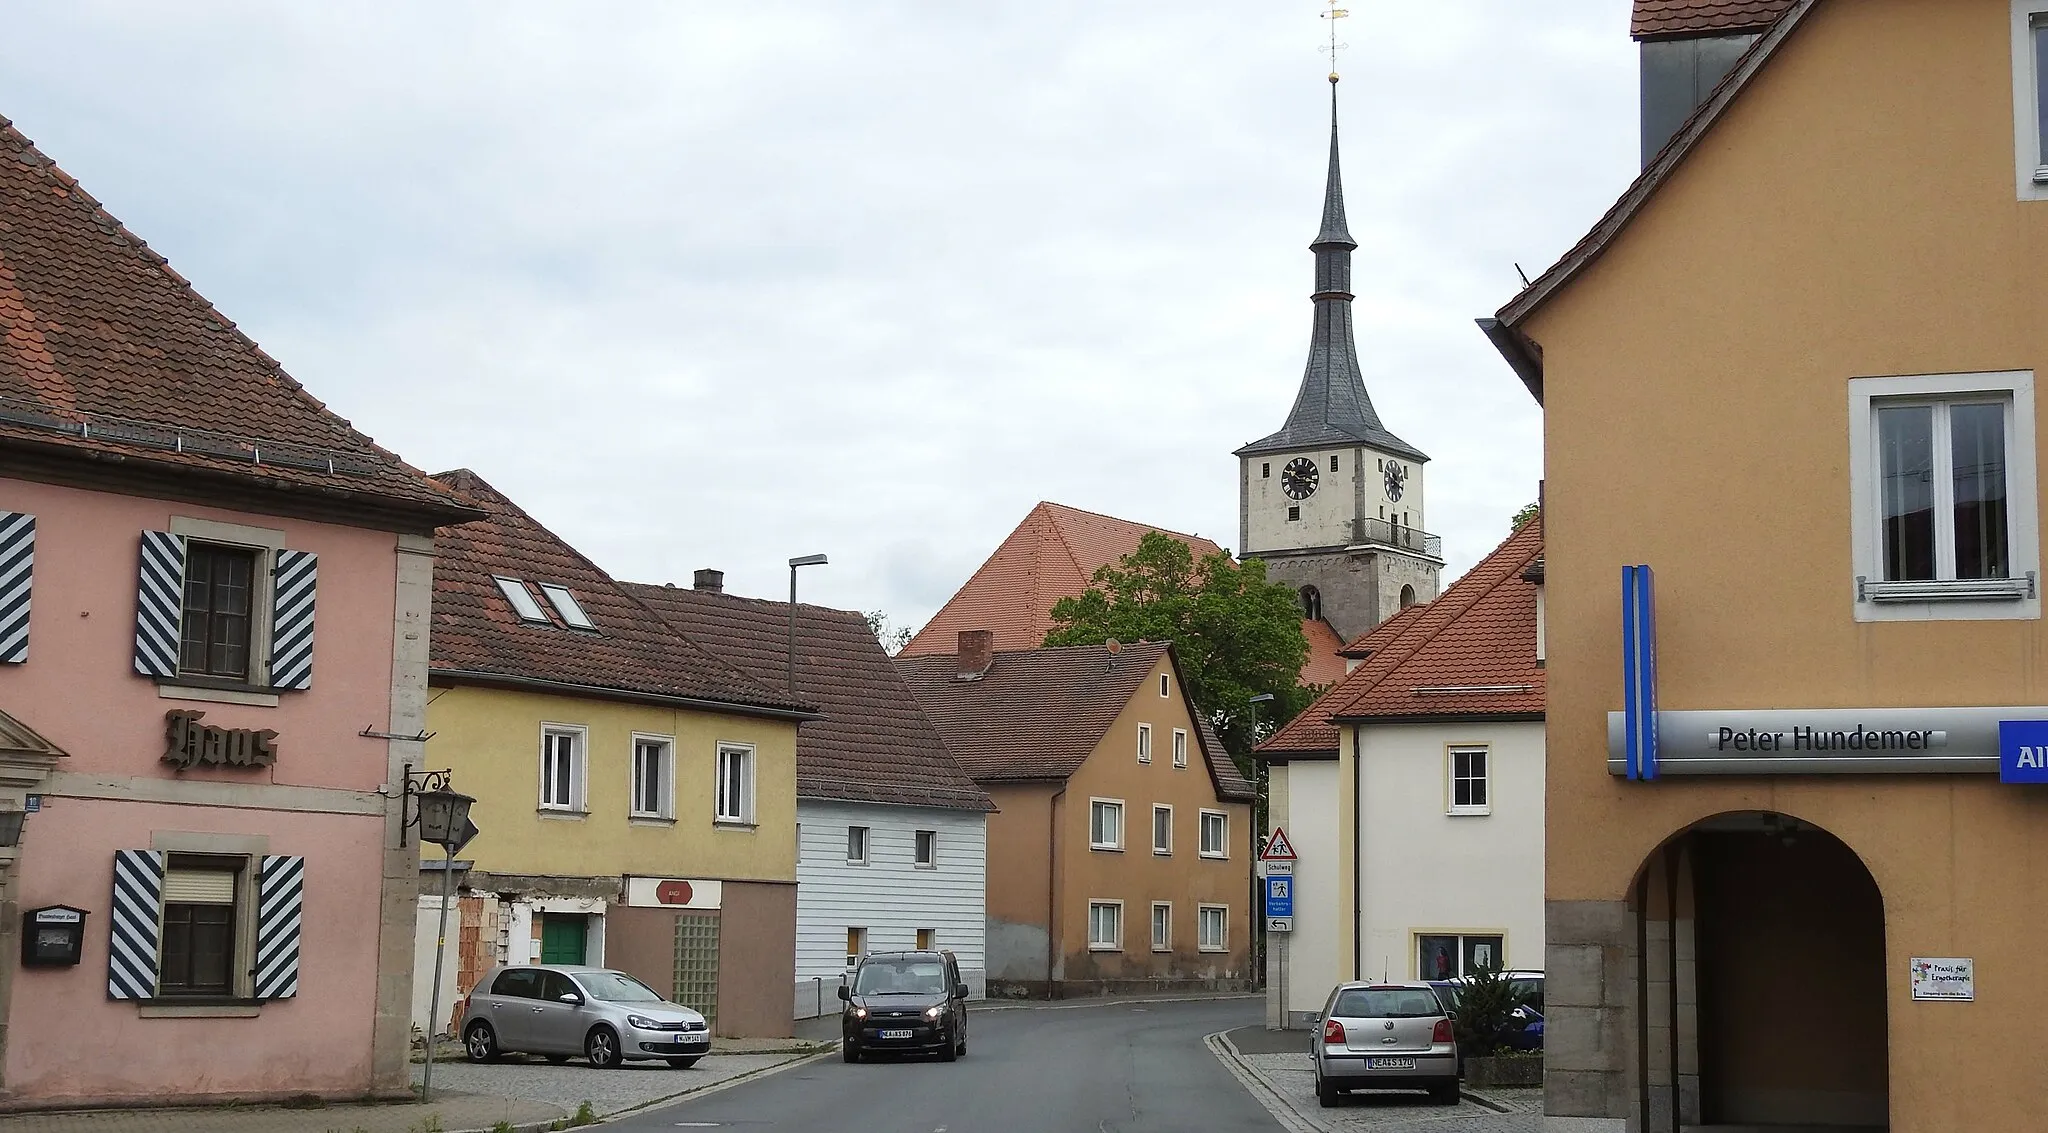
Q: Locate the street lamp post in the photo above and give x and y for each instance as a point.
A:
(799, 561)
(444, 821)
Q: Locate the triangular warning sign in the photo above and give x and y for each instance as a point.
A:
(1278, 849)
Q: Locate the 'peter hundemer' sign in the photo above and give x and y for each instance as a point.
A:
(1810, 741)
(189, 743)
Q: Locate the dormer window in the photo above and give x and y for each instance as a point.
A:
(522, 600)
(565, 605)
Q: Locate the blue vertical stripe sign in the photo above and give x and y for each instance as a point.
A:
(1639, 670)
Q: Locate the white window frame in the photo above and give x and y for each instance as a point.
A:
(511, 590)
(665, 808)
(917, 840)
(857, 940)
(579, 779)
(1222, 913)
(1202, 834)
(865, 837)
(1162, 942)
(1163, 687)
(1099, 944)
(1451, 754)
(1876, 600)
(1144, 743)
(1166, 809)
(744, 814)
(2030, 165)
(1115, 845)
(1180, 747)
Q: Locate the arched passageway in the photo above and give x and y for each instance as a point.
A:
(1760, 950)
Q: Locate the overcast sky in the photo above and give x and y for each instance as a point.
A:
(715, 284)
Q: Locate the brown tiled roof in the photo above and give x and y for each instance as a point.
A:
(1324, 666)
(1038, 713)
(1655, 18)
(874, 744)
(105, 350)
(1378, 636)
(1054, 554)
(1480, 633)
(633, 653)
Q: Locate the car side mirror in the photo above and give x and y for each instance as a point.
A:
(572, 997)
(844, 995)
(960, 991)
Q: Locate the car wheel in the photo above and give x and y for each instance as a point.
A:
(961, 1047)
(557, 1059)
(602, 1048)
(849, 1051)
(480, 1042)
(951, 1050)
(682, 1063)
(1445, 1093)
(1327, 1094)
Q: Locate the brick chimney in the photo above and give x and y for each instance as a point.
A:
(709, 581)
(977, 653)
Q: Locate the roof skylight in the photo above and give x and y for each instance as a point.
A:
(523, 604)
(565, 604)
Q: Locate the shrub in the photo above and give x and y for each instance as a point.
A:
(1486, 1012)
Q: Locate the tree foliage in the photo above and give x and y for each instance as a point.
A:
(1237, 635)
(892, 637)
(1485, 1018)
(1529, 511)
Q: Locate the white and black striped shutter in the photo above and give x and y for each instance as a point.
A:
(278, 898)
(138, 911)
(291, 623)
(159, 604)
(17, 566)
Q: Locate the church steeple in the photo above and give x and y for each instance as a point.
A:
(1332, 408)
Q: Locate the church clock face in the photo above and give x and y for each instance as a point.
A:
(1396, 479)
(1298, 479)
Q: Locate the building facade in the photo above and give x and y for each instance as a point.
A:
(1775, 758)
(636, 795)
(213, 605)
(1120, 850)
(893, 834)
(1412, 794)
(1332, 501)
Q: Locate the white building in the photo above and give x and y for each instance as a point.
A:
(892, 835)
(1413, 795)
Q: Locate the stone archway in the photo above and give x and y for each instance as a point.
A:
(1760, 948)
(1407, 596)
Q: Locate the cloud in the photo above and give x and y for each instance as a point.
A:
(706, 285)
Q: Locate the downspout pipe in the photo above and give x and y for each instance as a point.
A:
(1357, 854)
(1052, 882)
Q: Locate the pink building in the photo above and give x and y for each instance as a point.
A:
(213, 616)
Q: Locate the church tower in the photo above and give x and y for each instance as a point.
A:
(1333, 501)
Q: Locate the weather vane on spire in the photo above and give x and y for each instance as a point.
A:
(1333, 15)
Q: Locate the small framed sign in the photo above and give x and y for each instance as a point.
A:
(1944, 977)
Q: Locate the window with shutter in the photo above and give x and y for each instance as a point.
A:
(137, 909)
(198, 932)
(279, 896)
(17, 563)
(291, 619)
(159, 604)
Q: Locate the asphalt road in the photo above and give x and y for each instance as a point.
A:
(1118, 1068)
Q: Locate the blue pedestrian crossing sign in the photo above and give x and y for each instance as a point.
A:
(1279, 896)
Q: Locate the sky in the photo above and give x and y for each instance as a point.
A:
(717, 284)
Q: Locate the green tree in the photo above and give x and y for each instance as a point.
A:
(1237, 635)
(892, 637)
(1528, 512)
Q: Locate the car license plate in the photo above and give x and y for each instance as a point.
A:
(1390, 1064)
(902, 1034)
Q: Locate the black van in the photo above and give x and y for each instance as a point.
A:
(913, 1002)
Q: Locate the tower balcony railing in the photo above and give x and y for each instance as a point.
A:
(1390, 534)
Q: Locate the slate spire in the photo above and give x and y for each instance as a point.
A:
(1332, 408)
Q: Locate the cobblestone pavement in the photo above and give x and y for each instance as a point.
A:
(571, 1084)
(1292, 1082)
(452, 1113)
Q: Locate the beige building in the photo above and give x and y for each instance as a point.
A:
(1792, 371)
(1119, 857)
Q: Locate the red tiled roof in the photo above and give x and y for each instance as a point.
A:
(477, 636)
(1654, 18)
(104, 350)
(874, 744)
(1479, 633)
(1054, 554)
(1038, 713)
(1324, 667)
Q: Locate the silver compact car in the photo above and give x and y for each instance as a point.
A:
(558, 1010)
(1385, 1037)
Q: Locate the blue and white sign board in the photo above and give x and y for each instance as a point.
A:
(1280, 897)
(2023, 751)
(1639, 671)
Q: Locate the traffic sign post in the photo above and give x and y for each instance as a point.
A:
(1277, 864)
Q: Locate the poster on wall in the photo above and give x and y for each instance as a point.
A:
(1944, 977)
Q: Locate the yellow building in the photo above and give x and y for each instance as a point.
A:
(1792, 878)
(636, 796)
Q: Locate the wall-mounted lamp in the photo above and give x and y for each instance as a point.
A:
(10, 827)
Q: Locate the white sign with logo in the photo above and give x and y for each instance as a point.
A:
(1944, 977)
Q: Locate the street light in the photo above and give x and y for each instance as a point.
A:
(444, 821)
(799, 561)
(1262, 698)
(1258, 897)
(10, 827)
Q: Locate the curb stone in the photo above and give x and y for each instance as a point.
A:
(706, 1091)
(1078, 1004)
(1261, 1091)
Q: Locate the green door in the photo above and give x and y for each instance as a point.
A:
(561, 938)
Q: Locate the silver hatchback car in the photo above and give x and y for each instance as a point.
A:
(558, 1010)
(1385, 1037)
